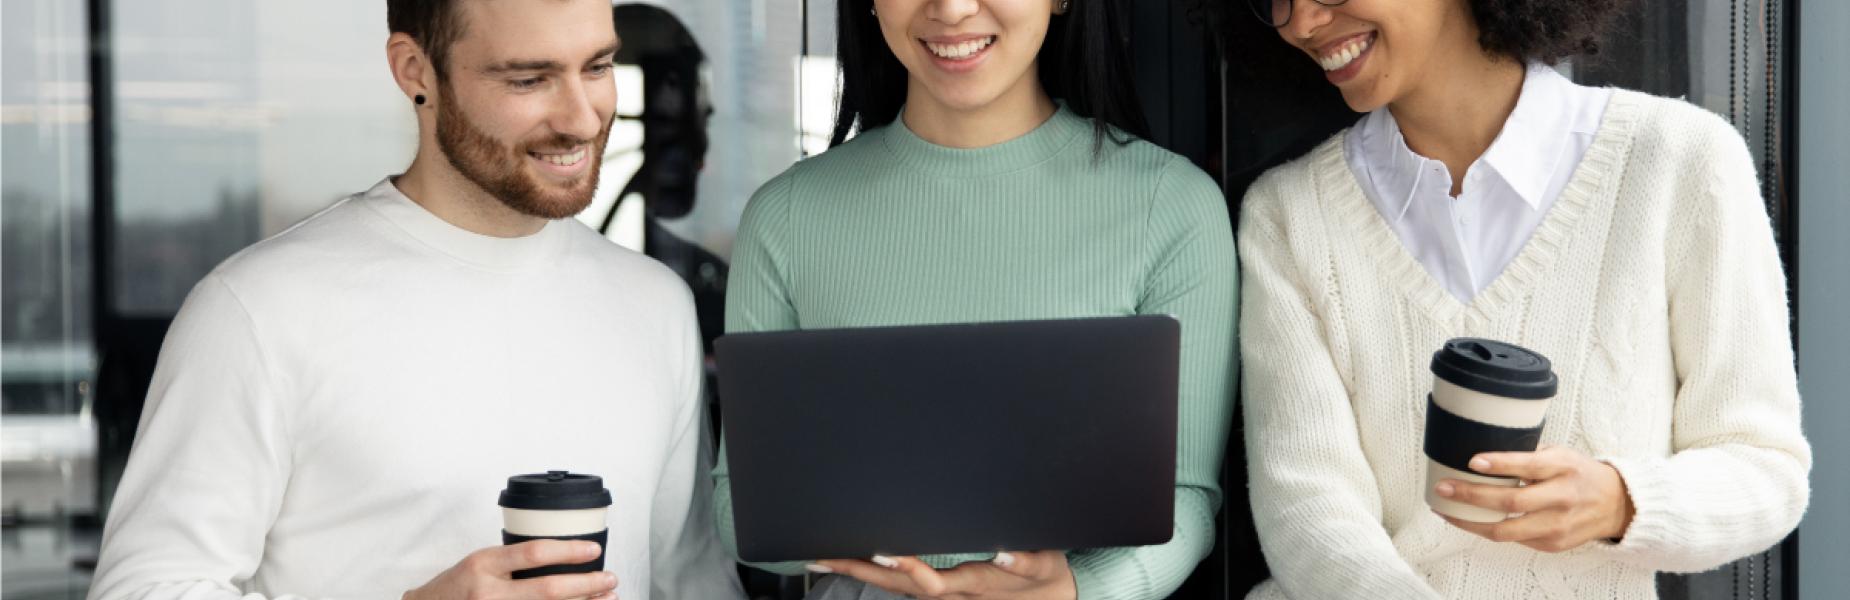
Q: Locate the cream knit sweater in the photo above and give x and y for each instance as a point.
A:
(1654, 286)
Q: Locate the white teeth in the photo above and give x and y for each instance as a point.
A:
(1341, 57)
(564, 160)
(960, 50)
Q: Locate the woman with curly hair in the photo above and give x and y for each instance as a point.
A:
(1485, 195)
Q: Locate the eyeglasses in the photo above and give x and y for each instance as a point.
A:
(1277, 13)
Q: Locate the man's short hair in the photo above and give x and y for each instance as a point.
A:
(433, 24)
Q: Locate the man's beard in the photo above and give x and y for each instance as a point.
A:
(500, 170)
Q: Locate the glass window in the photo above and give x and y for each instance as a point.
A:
(46, 355)
(752, 51)
(236, 119)
(1723, 55)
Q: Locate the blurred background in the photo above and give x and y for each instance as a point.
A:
(146, 140)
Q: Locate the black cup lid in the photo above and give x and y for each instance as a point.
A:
(1495, 368)
(555, 490)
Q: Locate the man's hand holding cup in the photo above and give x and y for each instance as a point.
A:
(489, 574)
(553, 533)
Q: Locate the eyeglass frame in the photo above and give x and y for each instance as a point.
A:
(1290, 9)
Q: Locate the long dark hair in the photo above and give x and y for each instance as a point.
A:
(1084, 61)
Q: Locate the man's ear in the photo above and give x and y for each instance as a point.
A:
(411, 68)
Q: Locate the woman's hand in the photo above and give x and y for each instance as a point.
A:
(1569, 500)
(1023, 575)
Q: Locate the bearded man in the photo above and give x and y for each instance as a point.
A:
(336, 407)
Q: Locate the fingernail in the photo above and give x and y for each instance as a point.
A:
(1444, 489)
(1480, 464)
(818, 568)
(609, 578)
(589, 549)
(885, 561)
(1004, 559)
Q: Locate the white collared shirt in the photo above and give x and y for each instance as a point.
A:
(1465, 242)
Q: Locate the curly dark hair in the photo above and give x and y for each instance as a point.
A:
(1542, 30)
(1526, 30)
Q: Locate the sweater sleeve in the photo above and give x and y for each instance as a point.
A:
(1316, 504)
(206, 476)
(1194, 279)
(1735, 482)
(757, 299)
(686, 560)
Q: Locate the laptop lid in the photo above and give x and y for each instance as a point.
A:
(934, 439)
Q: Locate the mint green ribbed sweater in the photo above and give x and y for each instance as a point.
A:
(889, 229)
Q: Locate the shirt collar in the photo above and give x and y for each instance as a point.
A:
(1524, 155)
(492, 253)
(1393, 168)
(1528, 150)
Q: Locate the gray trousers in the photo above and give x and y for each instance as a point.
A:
(836, 587)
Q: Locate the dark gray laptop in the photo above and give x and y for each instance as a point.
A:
(1028, 435)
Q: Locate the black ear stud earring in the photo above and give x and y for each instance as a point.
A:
(418, 99)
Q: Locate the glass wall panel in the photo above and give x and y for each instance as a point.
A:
(236, 119)
(47, 359)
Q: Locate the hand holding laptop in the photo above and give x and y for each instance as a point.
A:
(1011, 575)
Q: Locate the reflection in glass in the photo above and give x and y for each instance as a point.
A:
(47, 436)
(234, 120)
(750, 80)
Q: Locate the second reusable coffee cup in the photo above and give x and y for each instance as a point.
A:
(1487, 396)
(557, 505)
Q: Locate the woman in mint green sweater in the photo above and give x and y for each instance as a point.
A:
(996, 176)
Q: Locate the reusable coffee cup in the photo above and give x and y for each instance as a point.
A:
(1487, 396)
(556, 505)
